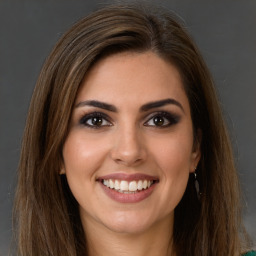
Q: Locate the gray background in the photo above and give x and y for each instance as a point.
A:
(225, 31)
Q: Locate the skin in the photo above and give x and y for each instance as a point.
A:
(129, 142)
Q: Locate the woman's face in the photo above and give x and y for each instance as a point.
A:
(130, 149)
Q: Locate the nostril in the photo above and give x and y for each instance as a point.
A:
(128, 151)
(128, 161)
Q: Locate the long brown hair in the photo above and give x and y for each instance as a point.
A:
(47, 220)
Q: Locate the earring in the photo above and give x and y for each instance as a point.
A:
(61, 172)
(197, 186)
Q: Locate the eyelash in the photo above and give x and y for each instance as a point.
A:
(171, 119)
(84, 120)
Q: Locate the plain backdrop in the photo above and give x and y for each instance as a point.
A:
(225, 31)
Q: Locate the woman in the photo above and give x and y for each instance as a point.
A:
(125, 150)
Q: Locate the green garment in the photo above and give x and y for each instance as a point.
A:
(252, 253)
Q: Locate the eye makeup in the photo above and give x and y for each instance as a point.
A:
(95, 120)
(162, 119)
(156, 119)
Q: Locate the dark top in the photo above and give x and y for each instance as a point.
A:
(252, 253)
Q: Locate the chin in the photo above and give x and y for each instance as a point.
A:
(128, 227)
(130, 222)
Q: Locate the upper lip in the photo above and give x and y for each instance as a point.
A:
(128, 177)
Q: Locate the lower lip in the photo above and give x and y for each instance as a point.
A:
(128, 198)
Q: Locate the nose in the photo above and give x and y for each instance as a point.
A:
(128, 147)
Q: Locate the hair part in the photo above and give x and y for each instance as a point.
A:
(46, 214)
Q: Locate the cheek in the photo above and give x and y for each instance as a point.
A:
(173, 157)
(82, 158)
(174, 154)
(81, 155)
(175, 165)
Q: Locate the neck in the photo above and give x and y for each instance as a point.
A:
(157, 240)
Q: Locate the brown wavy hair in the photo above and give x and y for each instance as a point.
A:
(46, 219)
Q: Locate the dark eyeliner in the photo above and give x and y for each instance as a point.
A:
(171, 117)
(83, 120)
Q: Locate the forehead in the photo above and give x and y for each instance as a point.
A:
(132, 78)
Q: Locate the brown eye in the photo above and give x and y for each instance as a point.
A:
(158, 120)
(96, 121)
(162, 120)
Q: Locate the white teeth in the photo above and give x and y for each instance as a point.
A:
(140, 187)
(133, 186)
(105, 182)
(117, 185)
(111, 184)
(124, 186)
(145, 184)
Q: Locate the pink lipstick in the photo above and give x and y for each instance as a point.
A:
(128, 188)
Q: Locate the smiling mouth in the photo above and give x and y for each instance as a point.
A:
(128, 187)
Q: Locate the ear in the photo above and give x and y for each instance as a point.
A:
(62, 169)
(196, 153)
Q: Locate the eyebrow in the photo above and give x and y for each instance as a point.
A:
(161, 103)
(143, 108)
(97, 104)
